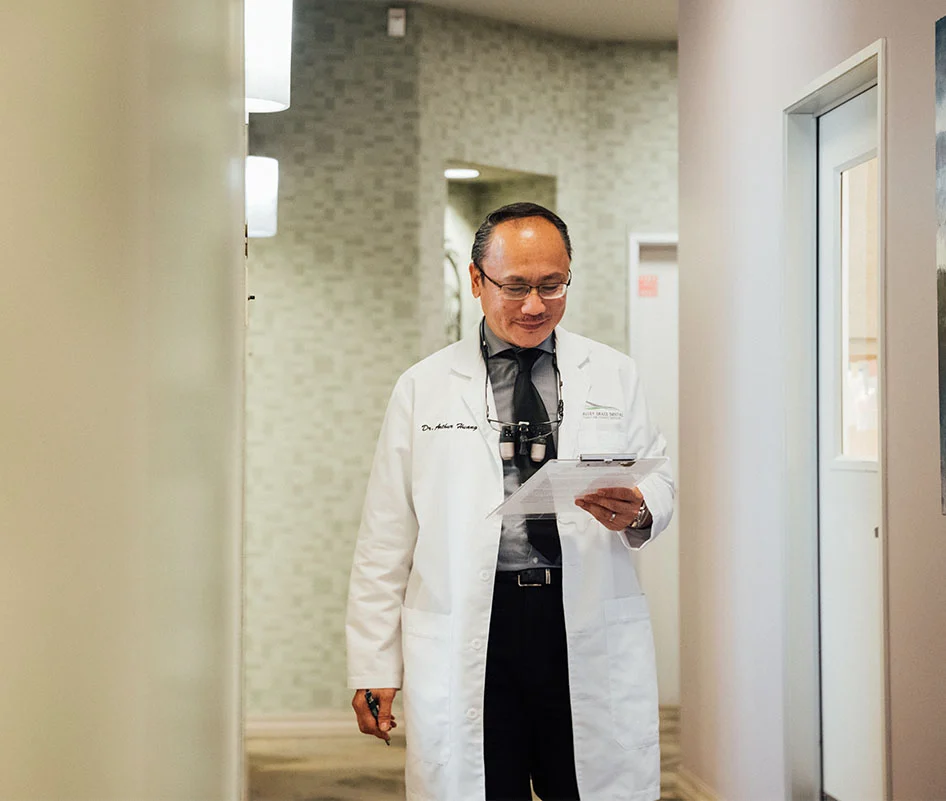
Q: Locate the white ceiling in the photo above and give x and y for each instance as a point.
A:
(609, 20)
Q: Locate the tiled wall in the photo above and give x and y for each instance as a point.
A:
(630, 176)
(541, 189)
(333, 325)
(350, 291)
(600, 118)
(492, 93)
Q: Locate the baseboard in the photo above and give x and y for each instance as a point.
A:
(322, 723)
(691, 787)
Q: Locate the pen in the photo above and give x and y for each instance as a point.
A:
(375, 708)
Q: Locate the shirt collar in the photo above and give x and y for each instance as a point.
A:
(495, 345)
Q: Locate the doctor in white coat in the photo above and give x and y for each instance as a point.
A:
(511, 674)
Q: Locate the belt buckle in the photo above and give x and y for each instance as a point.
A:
(548, 580)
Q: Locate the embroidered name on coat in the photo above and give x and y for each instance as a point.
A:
(447, 427)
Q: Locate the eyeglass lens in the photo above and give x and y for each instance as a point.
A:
(522, 291)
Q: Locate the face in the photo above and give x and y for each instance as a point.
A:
(529, 251)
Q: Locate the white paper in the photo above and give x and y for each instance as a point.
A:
(555, 486)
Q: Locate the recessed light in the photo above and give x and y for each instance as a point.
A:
(460, 173)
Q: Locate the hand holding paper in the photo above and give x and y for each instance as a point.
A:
(615, 508)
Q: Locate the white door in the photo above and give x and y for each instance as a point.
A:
(655, 347)
(850, 550)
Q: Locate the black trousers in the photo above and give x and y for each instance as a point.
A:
(526, 714)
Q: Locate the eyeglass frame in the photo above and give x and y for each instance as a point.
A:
(536, 287)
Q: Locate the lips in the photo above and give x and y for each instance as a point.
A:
(532, 325)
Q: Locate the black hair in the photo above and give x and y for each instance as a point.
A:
(514, 211)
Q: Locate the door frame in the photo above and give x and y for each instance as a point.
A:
(802, 716)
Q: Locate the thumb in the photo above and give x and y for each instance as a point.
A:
(385, 698)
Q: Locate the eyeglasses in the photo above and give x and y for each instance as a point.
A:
(520, 291)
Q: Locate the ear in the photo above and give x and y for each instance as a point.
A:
(476, 280)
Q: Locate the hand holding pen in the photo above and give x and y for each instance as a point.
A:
(373, 711)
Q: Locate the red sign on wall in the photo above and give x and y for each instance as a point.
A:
(647, 286)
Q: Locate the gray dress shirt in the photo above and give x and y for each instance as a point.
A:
(515, 551)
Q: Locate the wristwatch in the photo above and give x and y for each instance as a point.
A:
(642, 515)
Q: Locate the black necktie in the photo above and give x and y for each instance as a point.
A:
(527, 406)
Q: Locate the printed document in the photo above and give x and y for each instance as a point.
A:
(555, 486)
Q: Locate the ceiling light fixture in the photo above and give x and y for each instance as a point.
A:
(267, 54)
(460, 173)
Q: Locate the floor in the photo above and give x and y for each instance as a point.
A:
(360, 768)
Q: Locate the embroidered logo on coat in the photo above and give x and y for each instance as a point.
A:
(599, 411)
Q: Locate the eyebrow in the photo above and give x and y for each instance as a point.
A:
(551, 278)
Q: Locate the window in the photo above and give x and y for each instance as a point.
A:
(860, 312)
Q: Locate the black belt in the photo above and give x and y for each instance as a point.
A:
(531, 577)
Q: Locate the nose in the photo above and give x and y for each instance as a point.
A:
(533, 305)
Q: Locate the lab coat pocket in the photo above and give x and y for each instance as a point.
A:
(632, 672)
(426, 690)
(602, 438)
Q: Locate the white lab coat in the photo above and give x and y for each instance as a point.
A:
(422, 579)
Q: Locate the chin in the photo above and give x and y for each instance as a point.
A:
(530, 337)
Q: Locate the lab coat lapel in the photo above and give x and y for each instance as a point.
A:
(470, 368)
(573, 355)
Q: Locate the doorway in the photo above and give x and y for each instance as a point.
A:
(849, 488)
(836, 717)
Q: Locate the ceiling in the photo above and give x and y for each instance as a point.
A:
(605, 20)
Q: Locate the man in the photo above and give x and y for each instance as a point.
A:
(523, 647)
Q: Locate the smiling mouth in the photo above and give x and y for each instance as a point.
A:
(532, 323)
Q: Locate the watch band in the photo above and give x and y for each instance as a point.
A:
(641, 515)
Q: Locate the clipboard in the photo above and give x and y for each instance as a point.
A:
(555, 486)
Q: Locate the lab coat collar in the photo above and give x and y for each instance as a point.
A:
(495, 345)
(573, 353)
(468, 360)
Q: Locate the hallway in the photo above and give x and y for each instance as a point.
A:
(355, 768)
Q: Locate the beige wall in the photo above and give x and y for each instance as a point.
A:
(741, 62)
(121, 321)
